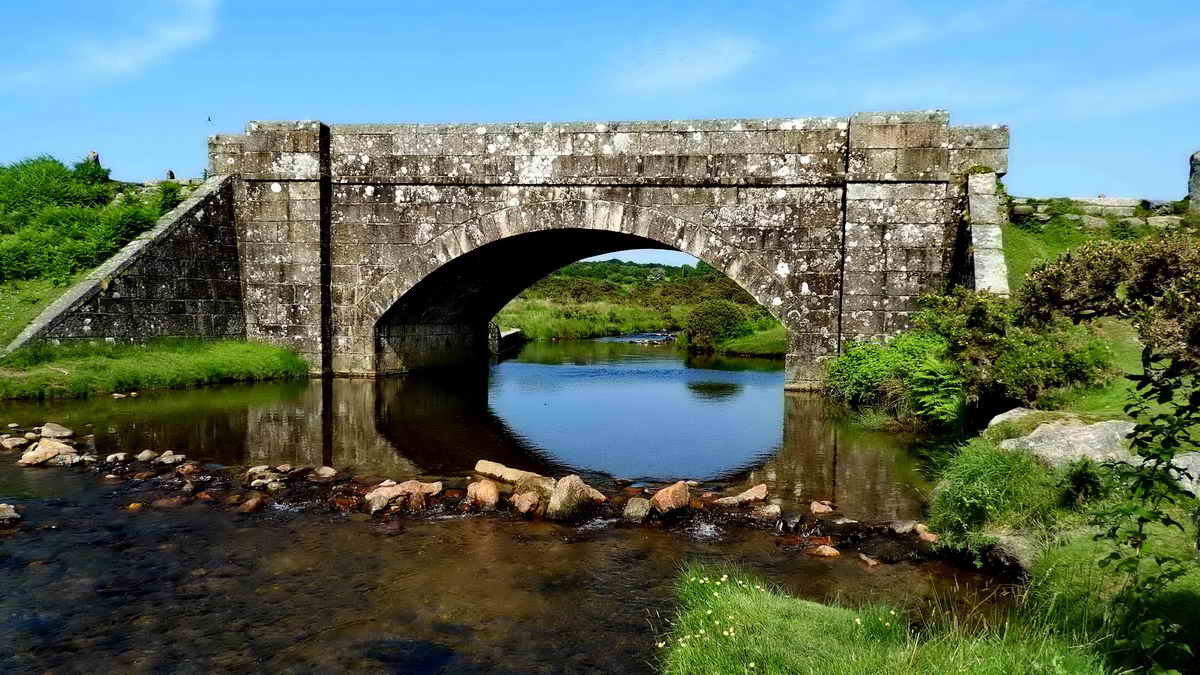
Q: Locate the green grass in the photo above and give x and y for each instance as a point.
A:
(1023, 249)
(548, 319)
(81, 370)
(776, 633)
(1068, 588)
(770, 342)
(22, 300)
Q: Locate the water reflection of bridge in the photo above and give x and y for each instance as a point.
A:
(430, 426)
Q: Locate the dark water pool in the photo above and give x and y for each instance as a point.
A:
(88, 586)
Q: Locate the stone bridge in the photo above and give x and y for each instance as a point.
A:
(375, 249)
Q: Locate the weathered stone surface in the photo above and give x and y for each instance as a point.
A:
(117, 457)
(45, 450)
(170, 458)
(323, 473)
(767, 512)
(1059, 443)
(569, 498)
(819, 508)
(65, 459)
(503, 473)
(8, 515)
(483, 495)
(1011, 416)
(13, 443)
(412, 492)
(1164, 222)
(754, 494)
(637, 509)
(1194, 183)
(146, 456)
(55, 430)
(674, 496)
(526, 502)
(823, 551)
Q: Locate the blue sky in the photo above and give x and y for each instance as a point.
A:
(1102, 97)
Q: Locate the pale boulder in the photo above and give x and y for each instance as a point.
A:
(670, 498)
(754, 494)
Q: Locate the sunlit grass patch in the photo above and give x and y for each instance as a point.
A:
(79, 370)
(730, 622)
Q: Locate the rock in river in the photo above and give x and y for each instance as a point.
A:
(146, 456)
(483, 494)
(13, 443)
(498, 471)
(45, 450)
(569, 498)
(53, 430)
(8, 515)
(413, 493)
(754, 494)
(674, 496)
(637, 509)
(819, 508)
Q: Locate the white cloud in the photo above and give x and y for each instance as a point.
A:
(188, 23)
(684, 62)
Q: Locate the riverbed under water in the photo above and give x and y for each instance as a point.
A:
(87, 584)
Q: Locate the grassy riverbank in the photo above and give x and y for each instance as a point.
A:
(77, 371)
(733, 623)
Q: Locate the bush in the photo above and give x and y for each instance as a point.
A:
(712, 322)
(983, 484)
(873, 374)
(62, 228)
(28, 186)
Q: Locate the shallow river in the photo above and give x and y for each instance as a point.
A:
(87, 585)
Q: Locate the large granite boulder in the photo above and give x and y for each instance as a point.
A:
(1063, 442)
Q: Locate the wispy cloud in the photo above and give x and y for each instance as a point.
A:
(683, 62)
(187, 23)
(876, 27)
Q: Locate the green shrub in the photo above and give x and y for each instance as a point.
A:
(937, 391)
(869, 373)
(712, 322)
(983, 484)
(30, 185)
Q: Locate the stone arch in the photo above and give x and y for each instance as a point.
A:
(433, 308)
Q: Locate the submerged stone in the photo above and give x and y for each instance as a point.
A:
(754, 494)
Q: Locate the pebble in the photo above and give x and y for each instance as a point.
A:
(8, 515)
(818, 508)
(824, 551)
(871, 562)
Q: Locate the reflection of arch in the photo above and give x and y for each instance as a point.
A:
(432, 308)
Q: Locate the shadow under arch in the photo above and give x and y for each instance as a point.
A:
(441, 321)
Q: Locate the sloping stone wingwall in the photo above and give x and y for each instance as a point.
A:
(179, 279)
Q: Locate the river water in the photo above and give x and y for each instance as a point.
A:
(87, 584)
